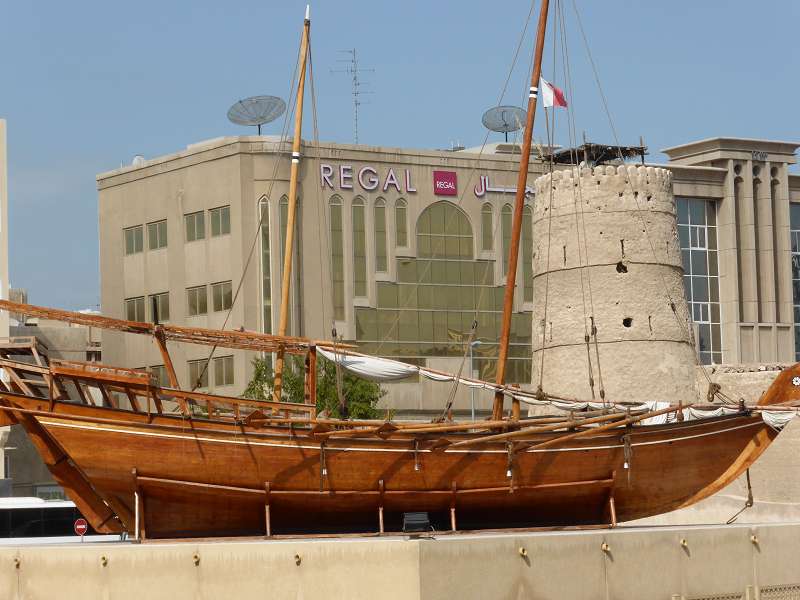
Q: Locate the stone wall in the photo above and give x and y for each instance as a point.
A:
(606, 253)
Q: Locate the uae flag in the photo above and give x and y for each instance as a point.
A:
(551, 95)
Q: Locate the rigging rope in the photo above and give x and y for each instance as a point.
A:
(683, 324)
(257, 235)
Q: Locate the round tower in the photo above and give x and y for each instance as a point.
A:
(606, 252)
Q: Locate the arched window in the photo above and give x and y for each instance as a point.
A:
(266, 270)
(428, 311)
(359, 249)
(527, 253)
(487, 230)
(337, 257)
(444, 231)
(401, 223)
(380, 235)
(505, 226)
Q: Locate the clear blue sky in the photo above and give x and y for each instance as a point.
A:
(87, 85)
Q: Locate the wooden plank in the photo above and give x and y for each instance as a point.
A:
(161, 342)
(133, 400)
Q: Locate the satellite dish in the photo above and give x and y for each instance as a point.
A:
(504, 119)
(256, 110)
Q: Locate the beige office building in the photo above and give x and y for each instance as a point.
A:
(401, 250)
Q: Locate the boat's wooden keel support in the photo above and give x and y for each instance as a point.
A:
(267, 516)
(140, 531)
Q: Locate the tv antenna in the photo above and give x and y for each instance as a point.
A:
(256, 110)
(504, 119)
(354, 71)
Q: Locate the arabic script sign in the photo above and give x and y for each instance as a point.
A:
(445, 183)
(484, 186)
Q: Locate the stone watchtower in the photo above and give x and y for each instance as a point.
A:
(611, 236)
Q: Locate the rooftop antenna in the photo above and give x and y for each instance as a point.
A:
(504, 119)
(256, 110)
(354, 71)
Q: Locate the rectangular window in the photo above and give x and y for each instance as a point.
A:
(223, 371)
(134, 309)
(794, 238)
(220, 220)
(159, 373)
(157, 235)
(198, 374)
(697, 234)
(400, 224)
(222, 295)
(159, 307)
(195, 226)
(266, 269)
(359, 250)
(337, 257)
(197, 298)
(380, 237)
(134, 240)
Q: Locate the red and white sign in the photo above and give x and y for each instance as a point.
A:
(445, 183)
(81, 527)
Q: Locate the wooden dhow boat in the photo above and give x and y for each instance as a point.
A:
(165, 462)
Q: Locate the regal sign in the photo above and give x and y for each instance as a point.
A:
(344, 177)
(445, 183)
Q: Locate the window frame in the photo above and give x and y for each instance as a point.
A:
(221, 285)
(189, 291)
(133, 229)
(157, 227)
(159, 297)
(228, 366)
(136, 311)
(198, 363)
(202, 230)
(220, 210)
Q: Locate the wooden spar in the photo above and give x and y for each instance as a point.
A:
(292, 208)
(237, 340)
(537, 429)
(516, 227)
(600, 429)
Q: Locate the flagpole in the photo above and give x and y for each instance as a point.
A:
(516, 227)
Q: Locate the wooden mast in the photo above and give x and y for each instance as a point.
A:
(292, 208)
(513, 253)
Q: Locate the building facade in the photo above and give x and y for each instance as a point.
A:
(4, 319)
(400, 251)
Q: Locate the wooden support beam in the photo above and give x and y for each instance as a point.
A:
(23, 387)
(107, 398)
(267, 515)
(81, 392)
(612, 509)
(161, 342)
(311, 376)
(381, 490)
(453, 509)
(133, 400)
(141, 528)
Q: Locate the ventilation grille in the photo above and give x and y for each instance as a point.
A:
(781, 592)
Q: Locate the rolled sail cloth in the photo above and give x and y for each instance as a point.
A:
(368, 367)
(386, 369)
(777, 419)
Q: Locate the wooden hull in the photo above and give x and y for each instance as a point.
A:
(207, 478)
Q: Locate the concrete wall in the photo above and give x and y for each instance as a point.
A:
(678, 563)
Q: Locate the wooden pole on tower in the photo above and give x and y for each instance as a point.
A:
(516, 228)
